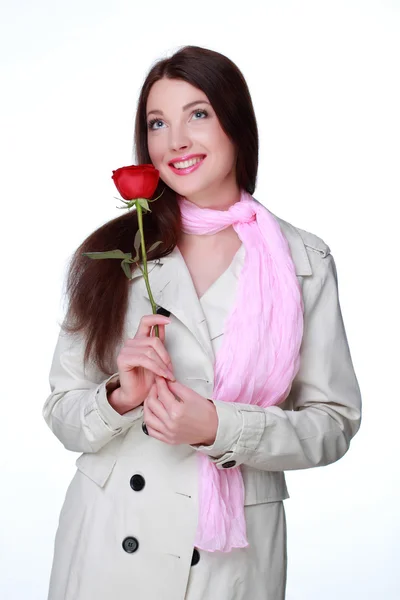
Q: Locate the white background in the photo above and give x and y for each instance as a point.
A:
(324, 78)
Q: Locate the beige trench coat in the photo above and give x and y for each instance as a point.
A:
(105, 502)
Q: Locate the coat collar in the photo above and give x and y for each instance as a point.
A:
(173, 289)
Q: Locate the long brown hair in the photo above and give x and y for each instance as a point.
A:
(97, 290)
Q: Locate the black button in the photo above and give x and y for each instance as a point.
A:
(230, 463)
(163, 311)
(145, 428)
(195, 557)
(137, 482)
(130, 544)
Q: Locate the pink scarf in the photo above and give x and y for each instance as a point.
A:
(260, 351)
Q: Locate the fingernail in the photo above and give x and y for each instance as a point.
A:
(171, 376)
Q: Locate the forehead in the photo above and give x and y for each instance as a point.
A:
(173, 92)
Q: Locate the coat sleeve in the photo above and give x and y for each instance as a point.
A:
(324, 402)
(77, 410)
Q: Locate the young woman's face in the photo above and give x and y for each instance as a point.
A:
(184, 123)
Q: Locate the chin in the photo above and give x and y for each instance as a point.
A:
(191, 188)
(191, 193)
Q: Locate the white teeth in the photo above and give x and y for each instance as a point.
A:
(187, 163)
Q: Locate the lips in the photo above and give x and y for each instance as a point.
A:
(187, 170)
(186, 157)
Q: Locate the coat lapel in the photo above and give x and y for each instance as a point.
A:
(172, 288)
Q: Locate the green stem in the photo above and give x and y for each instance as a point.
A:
(144, 260)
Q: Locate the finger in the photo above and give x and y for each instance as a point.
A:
(149, 417)
(157, 408)
(147, 322)
(158, 345)
(165, 396)
(179, 389)
(153, 423)
(152, 395)
(157, 435)
(161, 332)
(157, 352)
(155, 343)
(153, 363)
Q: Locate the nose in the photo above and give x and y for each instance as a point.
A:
(178, 139)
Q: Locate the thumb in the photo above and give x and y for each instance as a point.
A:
(181, 390)
(152, 391)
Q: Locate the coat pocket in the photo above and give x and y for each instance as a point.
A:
(97, 467)
(263, 486)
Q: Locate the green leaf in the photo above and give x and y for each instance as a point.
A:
(108, 254)
(136, 244)
(154, 199)
(129, 203)
(153, 246)
(144, 203)
(137, 241)
(126, 269)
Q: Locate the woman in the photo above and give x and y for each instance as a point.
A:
(184, 440)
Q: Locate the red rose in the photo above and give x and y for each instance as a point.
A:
(136, 181)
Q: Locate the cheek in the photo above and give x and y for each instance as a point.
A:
(220, 143)
(156, 151)
(225, 151)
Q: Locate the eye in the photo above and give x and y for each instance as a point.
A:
(201, 111)
(152, 122)
(195, 112)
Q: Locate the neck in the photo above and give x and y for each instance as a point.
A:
(221, 241)
(220, 200)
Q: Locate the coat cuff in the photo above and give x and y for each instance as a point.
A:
(240, 428)
(102, 411)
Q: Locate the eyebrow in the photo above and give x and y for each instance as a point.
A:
(160, 112)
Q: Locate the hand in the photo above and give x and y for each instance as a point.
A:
(139, 360)
(176, 414)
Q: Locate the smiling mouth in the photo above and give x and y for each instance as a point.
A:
(186, 164)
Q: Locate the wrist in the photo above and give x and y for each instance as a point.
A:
(113, 393)
(114, 399)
